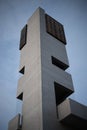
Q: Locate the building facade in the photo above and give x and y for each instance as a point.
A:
(45, 84)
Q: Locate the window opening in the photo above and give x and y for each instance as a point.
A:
(22, 71)
(59, 63)
(23, 37)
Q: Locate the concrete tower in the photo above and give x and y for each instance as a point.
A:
(45, 84)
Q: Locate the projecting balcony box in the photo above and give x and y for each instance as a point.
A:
(15, 123)
(73, 114)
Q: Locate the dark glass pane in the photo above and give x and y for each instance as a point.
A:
(55, 28)
(23, 37)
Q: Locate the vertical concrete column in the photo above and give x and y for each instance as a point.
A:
(30, 83)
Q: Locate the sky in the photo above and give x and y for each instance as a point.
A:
(13, 16)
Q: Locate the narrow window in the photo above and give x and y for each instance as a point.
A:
(22, 71)
(59, 63)
(20, 97)
(23, 37)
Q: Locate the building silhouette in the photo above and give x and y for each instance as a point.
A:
(45, 85)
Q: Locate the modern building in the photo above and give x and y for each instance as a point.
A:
(45, 85)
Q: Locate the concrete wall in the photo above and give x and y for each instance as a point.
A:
(50, 46)
(30, 82)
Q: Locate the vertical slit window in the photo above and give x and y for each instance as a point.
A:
(23, 37)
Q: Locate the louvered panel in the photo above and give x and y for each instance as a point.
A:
(55, 28)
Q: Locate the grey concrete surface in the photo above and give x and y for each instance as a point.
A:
(40, 98)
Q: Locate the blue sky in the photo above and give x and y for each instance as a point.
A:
(13, 16)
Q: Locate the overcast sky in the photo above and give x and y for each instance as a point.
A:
(13, 16)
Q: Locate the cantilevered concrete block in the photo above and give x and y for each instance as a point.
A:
(73, 114)
(15, 123)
